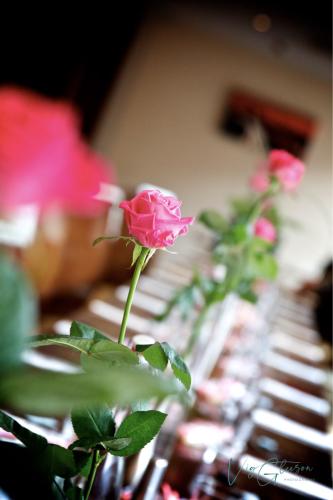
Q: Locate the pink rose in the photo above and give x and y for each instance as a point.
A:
(259, 181)
(83, 180)
(264, 229)
(154, 219)
(286, 168)
(42, 157)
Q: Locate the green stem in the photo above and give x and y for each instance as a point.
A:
(196, 331)
(256, 208)
(135, 278)
(92, 474)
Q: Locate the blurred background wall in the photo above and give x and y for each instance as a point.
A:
(151, 80)
(160, 124)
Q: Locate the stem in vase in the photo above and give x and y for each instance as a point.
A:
(196, 331)
(92, 474)
(135, 278)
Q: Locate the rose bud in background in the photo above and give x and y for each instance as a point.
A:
(286, 168)
(264, 229)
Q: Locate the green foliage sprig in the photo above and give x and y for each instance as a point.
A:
(245, 259)
(110, 376)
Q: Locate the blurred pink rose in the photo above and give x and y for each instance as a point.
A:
(42, 157)
(264, 229)
(83, 180)
(154, 219)
(287, 168)
(259, 181)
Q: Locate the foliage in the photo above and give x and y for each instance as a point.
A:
(111, 375)
(244, 257)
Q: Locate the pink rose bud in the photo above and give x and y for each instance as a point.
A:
(42, 157)
(154, 219)
(259, 181)
(264, 229)
(286, 168)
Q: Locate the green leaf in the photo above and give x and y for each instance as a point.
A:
(17, 313)
(246, 293)
(28, 438)
(218, 294)
(87, 443)
(81, 458)
(106, 354)
(260, 245)
(249, 296)
(110, 443)
(74, 493)
(76, 343)
(141, 427)
(56, 461)
(95, 352)
(117, 444)
(83, 331)
(155, 355)
(148, 257)
(158, 355)
(128, 239)
(238, 234)
(242, 206)
(96, 424)
(103, 238)
(213, 220)
(178, 365)
(51, 393)
(136, 253)
(263, 266)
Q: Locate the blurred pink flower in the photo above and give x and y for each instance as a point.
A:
(83, 180)
(264, 229)
(42, 157)
(154, 219)
(286, 168)
(259, 181)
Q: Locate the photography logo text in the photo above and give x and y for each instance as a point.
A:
(270, 471)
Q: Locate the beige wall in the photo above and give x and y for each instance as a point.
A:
(160, 126)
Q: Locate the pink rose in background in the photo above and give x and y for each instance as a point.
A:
(83, 180)
(154, 219)
(287, 168)
(264, 229)
(259, 181)
(42, 157)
